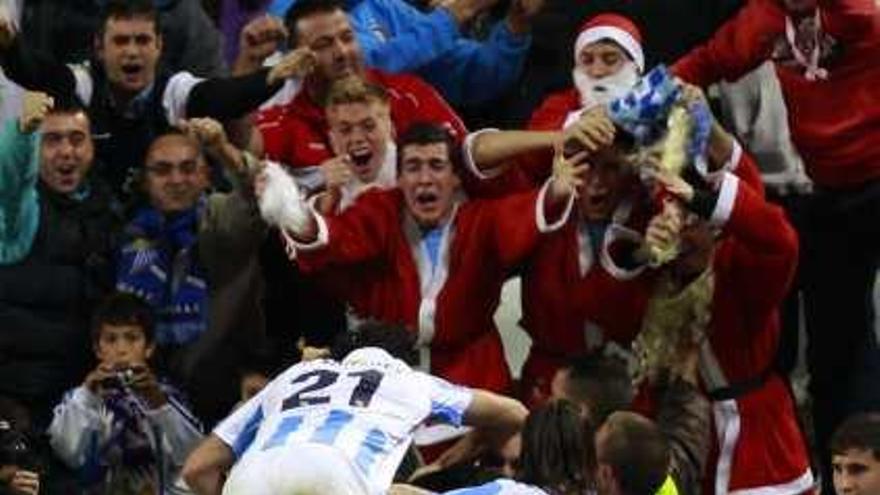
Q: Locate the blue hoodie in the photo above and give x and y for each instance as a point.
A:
(396, 37)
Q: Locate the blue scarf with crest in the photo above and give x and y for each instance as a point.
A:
(159, 263)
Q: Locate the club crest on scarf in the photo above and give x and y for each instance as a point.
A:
(159, 263)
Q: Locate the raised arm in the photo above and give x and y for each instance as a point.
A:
(19, 165)
(234, 97)
(739, 45)
(417, 38)
(31, 69)
(489, 152)
(475, 71)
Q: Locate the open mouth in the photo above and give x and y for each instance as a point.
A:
(360, 158)
(66, 171)
(131, 69)
(597, 199)
(427, 199)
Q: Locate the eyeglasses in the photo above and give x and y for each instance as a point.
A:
(164, 169)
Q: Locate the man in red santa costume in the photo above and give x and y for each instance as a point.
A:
(608, 61)
(604, 293)
(827, 57)
(422, 256)
(737, 259)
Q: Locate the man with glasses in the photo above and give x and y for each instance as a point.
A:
(187, 247)
(56, 243)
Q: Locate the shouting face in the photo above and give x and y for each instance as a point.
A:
(362, 131)
(66, 151)
(129, 50)
(428, 182)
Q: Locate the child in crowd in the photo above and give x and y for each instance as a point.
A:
(123, 430)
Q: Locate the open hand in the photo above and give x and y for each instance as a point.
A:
(35, 106)
(591, 132)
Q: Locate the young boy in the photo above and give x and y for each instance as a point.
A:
(855, 455)
(123, 430)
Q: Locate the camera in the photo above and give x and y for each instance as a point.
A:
(121, 379)
(15, 447)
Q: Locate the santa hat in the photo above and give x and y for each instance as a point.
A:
(616, 28)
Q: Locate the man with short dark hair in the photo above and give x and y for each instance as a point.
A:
(340, 425)
(130, 99)
(421, 256)
(632, 456)
(825, 54)
(294, 130)
(193, 257)
(56, 250)
(600, 385)
(855, 455)
(398, 38)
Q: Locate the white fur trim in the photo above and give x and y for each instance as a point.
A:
(321, 240)
(726, 200)
(618, 232)
(467, 151)
(541, 216)
(801, 484)
(619, 36)
(727, 425)
(432, 279)
(716, 176)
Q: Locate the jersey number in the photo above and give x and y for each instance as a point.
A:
(317, 380)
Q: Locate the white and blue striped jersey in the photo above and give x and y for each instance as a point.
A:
(366, 406)
(499, 487)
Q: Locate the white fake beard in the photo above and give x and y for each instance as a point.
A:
(606, 89)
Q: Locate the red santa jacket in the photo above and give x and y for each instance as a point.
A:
(554, 110)
(835, 123)
(760, 442)
(603, 301)
(296, 133)
(373, 249)
(575, 299)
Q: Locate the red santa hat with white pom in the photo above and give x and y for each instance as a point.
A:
(616, 28)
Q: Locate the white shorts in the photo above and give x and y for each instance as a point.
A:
(295, 469)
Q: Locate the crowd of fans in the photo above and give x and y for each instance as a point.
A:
(196, 195)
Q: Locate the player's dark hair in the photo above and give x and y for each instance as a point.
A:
(126, 10)
(557, 449)
(394, 339)
(425, 133)
(859, 432)
(637, 451)
(600, 383)
(306, 8)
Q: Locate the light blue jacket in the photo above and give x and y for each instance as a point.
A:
(396, 37)
(19, 205)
